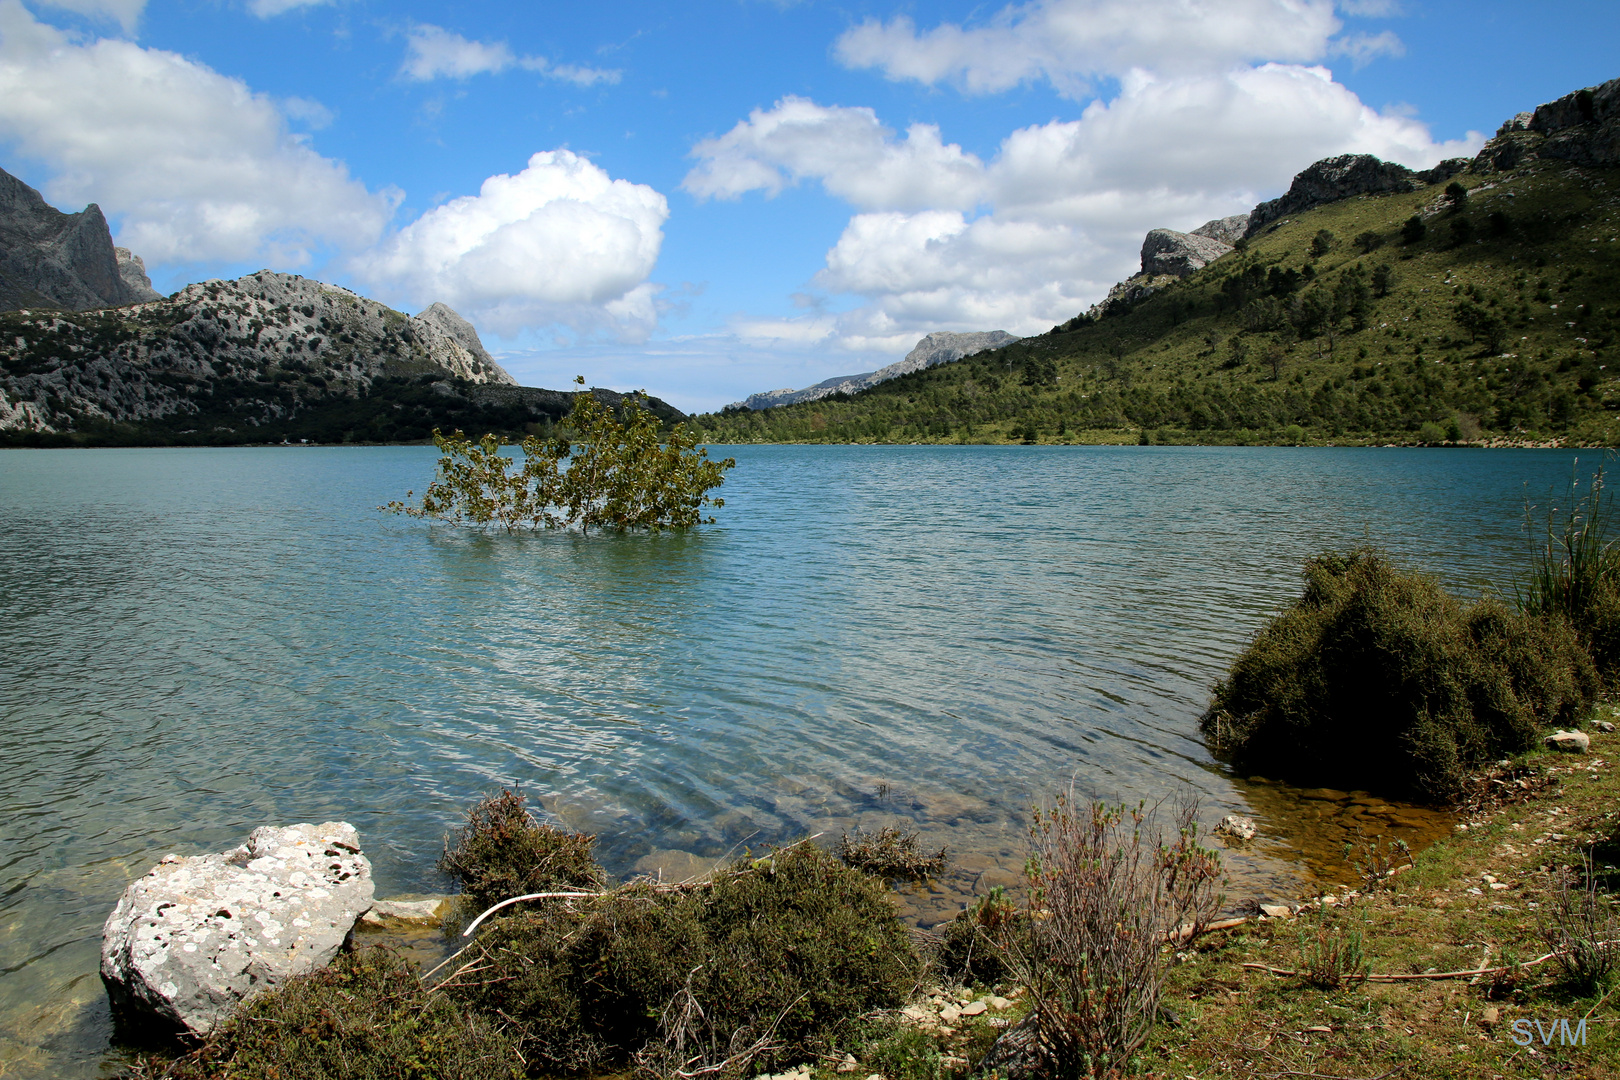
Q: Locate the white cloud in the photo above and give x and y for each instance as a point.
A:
(196, 165)
(1070, 42)
(126, 13)
(1363, 49)
(942, 240)
(560, 243)
(1371, 8)
(848, 150)
(432, 52)
(269, 9)
(574, 73)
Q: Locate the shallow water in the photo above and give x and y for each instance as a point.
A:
(201, 641)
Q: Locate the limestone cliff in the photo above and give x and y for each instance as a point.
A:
(1582, 128)
(66, 261)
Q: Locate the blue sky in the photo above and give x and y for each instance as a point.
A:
(710, 200)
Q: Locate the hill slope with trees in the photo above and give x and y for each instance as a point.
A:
(1482, 307)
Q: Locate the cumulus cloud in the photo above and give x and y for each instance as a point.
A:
(848, 150)
(944, 240)
(561, 242)
(432, 52)
(1069, 42)
(196, 165)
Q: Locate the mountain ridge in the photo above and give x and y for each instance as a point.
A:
(939, 347)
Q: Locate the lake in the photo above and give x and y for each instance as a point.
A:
(198, 642)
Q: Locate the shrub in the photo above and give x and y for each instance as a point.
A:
(1106, 889)
(981, 942)
(1377, 678)
(1431, 433)
(503, 852)
(1414, 230)
(1581, 930)
(1368, 242)
(616, 475)
(366, 1016)
(1321, 243)
(891, 854)
(748, 969)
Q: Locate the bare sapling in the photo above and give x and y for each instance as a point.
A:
(1109, 885)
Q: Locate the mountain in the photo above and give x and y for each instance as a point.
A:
(265, 358)
(1474, 302)
(90, 353)
(52, 259)
(940, 347)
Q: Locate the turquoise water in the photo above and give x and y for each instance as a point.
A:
(197, 642)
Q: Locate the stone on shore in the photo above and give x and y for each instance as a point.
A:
(198, 934)
(1570, 742)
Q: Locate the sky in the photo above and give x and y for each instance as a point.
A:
(705, 200)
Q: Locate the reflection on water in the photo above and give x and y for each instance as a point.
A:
(202, 641)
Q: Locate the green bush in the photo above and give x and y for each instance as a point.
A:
(757, 966)
(1377, 678)
(366, 1016)
(503, 852)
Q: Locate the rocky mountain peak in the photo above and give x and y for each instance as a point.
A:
(56, 260)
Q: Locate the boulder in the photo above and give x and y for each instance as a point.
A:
(1237, 827)
(199, 933)
(1570, 742)
(1179, 254)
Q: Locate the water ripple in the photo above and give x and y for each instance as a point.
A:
(202, 641)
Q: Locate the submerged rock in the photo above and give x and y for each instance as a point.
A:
(199, 933)
(1237, 827)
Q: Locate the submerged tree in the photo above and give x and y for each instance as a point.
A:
(615, 473)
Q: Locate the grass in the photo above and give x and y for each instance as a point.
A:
(1189, 366)
(1575, 569)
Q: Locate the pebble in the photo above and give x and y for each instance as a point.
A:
(1276, 911)
(976, 1008)
(999, 1003)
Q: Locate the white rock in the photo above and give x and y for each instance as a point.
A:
(198, 934)
(974, 1008)
(1570, 742)
(1237, 827)
(429, 910)
(1276, 911)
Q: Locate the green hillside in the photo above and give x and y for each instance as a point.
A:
(1493, 319)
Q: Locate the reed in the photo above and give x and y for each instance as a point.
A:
(1574, 569)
